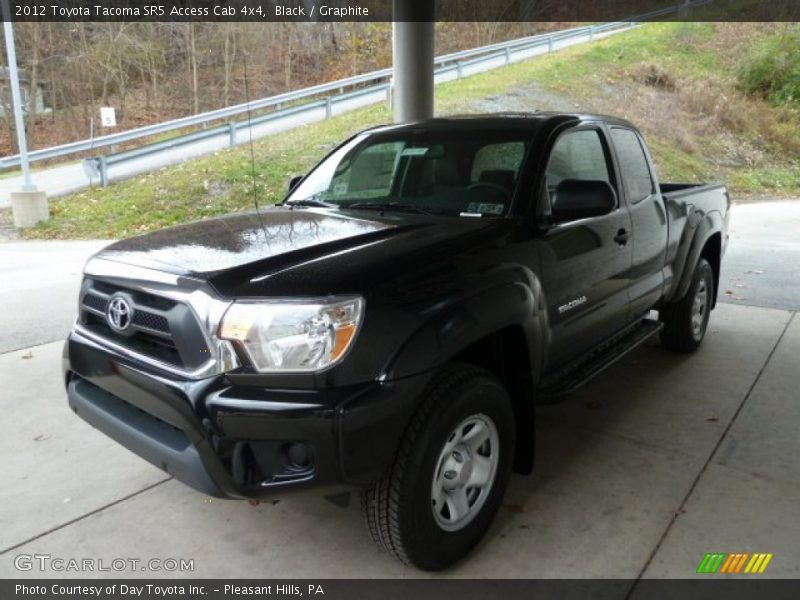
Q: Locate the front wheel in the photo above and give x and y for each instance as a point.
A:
(686, 321)
(450, 473)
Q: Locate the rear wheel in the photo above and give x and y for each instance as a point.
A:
(686, 321)
(450, 473)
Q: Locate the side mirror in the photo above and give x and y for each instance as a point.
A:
(294, 181)
(581, 199)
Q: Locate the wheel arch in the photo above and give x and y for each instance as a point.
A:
(705, 243)
(506, 355)
(712, 252)
(502, 330)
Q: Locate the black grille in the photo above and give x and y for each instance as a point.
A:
(161, 328)
(150, 321)
(141, 317)
(162, 349)
(95, 302)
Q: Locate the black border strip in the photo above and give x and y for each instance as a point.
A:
(405, 10)
(700, 588)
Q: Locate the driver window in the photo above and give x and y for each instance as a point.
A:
(577, 155)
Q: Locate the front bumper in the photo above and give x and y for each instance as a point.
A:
(239, 441)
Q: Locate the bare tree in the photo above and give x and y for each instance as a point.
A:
(229, 49)
(191, 52)
(156, 71)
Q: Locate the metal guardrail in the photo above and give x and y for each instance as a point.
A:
(238, 109)
(380, 80)
(97, 167)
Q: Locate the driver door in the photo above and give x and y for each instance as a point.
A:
(585, 263)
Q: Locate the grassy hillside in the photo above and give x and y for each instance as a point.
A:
(685, 85)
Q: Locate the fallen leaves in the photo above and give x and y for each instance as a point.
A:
(733, 296)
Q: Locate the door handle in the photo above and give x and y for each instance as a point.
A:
(622, 237)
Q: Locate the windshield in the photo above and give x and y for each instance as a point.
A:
(465, 173)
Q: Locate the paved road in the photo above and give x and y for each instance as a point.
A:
(68, 178)
(762, 265)
(39, 291)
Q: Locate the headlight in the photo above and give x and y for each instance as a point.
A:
(293, 336)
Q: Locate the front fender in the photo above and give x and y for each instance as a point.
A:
(455, 328)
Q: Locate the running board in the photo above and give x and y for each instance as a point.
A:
(580, 371)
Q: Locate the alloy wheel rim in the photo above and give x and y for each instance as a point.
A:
(465, 472)
(699, 308)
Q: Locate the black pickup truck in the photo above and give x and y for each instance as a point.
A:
(390, 325)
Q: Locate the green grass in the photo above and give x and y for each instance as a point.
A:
(212, 185)
(678, 166)
(771, 67)
(777, 181)
(692, 130)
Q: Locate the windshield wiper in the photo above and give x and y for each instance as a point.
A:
(310, 202)
(390, 206)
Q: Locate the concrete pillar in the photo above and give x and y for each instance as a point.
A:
(29, 207)
(412, 48)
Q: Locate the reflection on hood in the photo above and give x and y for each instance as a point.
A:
(221, 243)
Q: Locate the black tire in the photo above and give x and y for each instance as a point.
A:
(685, 328)
(399, 508)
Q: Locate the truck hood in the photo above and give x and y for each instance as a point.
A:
(283, 251)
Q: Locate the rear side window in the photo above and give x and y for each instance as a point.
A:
(632, 164)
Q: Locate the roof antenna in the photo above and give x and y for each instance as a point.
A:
(252, 151)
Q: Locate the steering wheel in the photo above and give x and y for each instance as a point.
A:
(491, 186)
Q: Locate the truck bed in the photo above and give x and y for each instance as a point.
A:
(678, 190)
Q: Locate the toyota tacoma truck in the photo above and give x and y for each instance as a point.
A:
(389, 326)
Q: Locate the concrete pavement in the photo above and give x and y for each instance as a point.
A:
(762, 265)
(748, 498)
(39, 293)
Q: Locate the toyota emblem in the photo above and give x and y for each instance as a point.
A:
(119, 313)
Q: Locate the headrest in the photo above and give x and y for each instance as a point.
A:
(503, 178)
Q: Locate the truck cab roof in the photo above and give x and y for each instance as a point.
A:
(511, 120)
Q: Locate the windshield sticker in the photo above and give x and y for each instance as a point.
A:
(415, 151)
(485, 208)
(340, 188)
